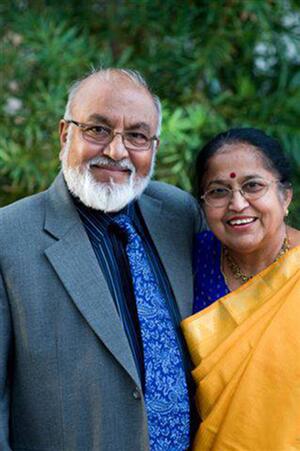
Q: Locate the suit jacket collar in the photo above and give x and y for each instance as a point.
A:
(173, 248)
(75, 263)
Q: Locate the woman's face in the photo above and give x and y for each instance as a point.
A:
(245, 225)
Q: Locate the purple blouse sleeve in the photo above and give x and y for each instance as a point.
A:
(209, 283)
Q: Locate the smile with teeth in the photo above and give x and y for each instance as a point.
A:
(241, 221)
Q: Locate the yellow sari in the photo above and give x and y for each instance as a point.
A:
(246, 352)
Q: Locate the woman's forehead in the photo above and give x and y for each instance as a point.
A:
(237, 160)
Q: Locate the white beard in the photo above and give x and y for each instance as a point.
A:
(107, 197)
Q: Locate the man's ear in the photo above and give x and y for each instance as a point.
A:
(63, 132)
(63, 136)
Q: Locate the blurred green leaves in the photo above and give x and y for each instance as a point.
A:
(214, 63)
(181, 139)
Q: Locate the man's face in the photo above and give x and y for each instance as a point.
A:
(120, 105)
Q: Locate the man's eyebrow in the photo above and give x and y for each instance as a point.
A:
(97, 119)
(139, 125)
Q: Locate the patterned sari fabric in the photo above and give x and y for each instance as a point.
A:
(246, 351)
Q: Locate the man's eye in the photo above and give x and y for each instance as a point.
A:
(253, 186)
(218, 193)
(98, 130)
(137, 137)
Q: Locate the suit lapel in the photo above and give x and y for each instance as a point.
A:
(174, 249)
(75, 263)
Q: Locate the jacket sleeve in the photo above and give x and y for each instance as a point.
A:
(5, 362)
(198, 216)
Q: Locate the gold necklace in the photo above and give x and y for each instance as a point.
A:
(236, 270)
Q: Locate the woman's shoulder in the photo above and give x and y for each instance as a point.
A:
(207, 250)
(293, 237)
(205, 240)
(209, 283)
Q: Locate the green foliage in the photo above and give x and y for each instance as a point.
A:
(182, 137)
(214, 63)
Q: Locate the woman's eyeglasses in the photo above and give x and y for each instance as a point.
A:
(251, 190)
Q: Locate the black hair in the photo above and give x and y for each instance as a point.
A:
(270, 149)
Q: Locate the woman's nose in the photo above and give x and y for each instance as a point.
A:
(238, 201)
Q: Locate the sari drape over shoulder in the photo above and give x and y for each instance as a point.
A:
(246, 351)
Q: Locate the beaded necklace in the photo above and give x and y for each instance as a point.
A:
(236, 270)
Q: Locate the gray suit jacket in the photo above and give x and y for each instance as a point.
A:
(68, 381)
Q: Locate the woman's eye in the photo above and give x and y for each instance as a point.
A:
(253, 187)
(217, 193)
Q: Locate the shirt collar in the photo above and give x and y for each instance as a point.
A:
(105, 218)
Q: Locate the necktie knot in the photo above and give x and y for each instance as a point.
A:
(125, 224)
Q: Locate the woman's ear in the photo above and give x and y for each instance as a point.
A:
(288, 196)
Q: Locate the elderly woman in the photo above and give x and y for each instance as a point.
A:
(244, 335)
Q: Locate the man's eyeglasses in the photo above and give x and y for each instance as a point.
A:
(251, 190)
(134, 141)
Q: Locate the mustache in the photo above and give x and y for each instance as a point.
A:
(109, 163)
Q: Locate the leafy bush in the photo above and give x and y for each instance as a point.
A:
(215, 64)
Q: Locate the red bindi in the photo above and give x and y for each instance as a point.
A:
(232, 175)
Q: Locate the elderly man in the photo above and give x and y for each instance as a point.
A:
(95, 277)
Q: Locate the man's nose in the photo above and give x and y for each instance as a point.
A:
(116, 149)
(238, 201)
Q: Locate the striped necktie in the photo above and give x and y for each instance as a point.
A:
(166, 393)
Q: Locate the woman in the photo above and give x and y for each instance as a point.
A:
(244, 336)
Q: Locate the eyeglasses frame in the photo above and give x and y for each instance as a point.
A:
(240, 190)
(83, 127)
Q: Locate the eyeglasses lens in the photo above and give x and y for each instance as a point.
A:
(220, 197)
(103, 137)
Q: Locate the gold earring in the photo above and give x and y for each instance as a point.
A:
(286, 212)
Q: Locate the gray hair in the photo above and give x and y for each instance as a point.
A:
(133, 75)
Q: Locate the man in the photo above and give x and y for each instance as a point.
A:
(85, 268)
